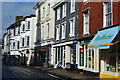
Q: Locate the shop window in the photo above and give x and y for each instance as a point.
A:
(81, 56)
(90, 58)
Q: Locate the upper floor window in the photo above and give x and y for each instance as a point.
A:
(18, 29)
(18, 44)
(86, 23)
(72, 27)
(64, 10)
(72, 6)
(28, 25)
(13, 45)
(38, 15)
(42, 32)
(14, 31)
(107, 13)
(47, 31)
(63, 30)
(57, 32)
(23, 27)
(58, 13)
(23, 40)
(48, 8)
(85, 1)
(28, 40)
(43, 14)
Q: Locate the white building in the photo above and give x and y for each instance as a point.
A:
(45, 31)
(22, 37)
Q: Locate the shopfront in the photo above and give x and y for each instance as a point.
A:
(88, 58)
(108, 43)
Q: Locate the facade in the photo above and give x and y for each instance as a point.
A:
(94, 16)
(21, 36)
(27, 39)
(45, 32)
(5, 49)
(66, 29)
(12, 31)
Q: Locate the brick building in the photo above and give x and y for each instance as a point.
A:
(96, 19)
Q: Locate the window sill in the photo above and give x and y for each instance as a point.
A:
(86, 2)
(86, 34)
(64, 16)
(71, 12)
(28, 30)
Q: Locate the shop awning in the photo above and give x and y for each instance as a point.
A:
(104, 38)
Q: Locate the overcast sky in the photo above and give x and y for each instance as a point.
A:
(12, 9)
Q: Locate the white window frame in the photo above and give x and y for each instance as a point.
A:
(42, 32)
(48, 9)
(58, 13)
(86, 31)
(104, 14)
(57, 32)
(47, 30)
(64, 9)
(72, 6)
(85, 1)
(72, 27)
(43, 12)
(63, 26)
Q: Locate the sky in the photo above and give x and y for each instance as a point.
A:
(12, 9)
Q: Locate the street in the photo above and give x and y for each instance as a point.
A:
(24, 73)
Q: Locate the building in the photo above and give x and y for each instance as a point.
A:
(66, 33)
(93, 54)
(14, 37)
(27, 39)
(22, 37)
(45, 32)
(5, 49)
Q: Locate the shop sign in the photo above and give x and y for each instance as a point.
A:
(85, 41)
(81, 56)
(43, 49)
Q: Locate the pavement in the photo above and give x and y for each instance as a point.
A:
(68, 75)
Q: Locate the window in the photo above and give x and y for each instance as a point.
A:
(14, 31)
(57, 32)
(47, 31)
(72, 6)
(18, 44)
(39, 14)
(28, 40)
(58, 13)
(48, 9)
(19, 30)
(86, 23)
(85, 1)
(13, 45)
(107, 14)
(64, 10)
(23, 42)
(43, 15)
(72, 27)
(23, 27)
(28, 24)
(42, 32)
(63, 30)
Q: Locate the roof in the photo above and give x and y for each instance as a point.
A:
(17, 23)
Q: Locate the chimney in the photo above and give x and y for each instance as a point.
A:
(18, 17)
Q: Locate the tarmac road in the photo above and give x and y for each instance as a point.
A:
(24, 73)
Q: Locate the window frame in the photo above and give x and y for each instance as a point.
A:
(72, 9)
(86, 29)
(105, 14)
(72, 27)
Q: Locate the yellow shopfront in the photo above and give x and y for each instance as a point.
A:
(108, 43)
